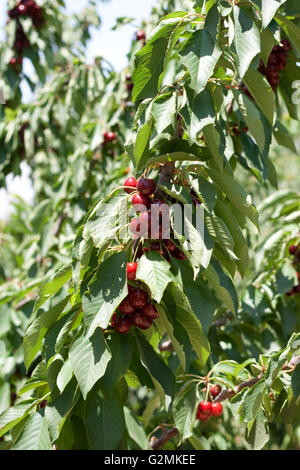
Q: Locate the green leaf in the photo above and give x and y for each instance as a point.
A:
(104, 420)
(246, 33)
(268, 10)
(135, 430)
(291, 30)
(161, 375)
(262, 92)
(12, 416)
(105, 292)
(57, 411)
(286, 278)
(283, 137)
(259, 435)
(256, 121)
(58, 280)
(89, 358)
(141, 146)
(34, 435)
(296, 381)
(253, 401)
(34, 335)
(223, 286)
(199, 55)
(235, 193)
(150, 62)
(185, 411)
(155, 272)
(198, 112)
(163, 111)
(121, 355)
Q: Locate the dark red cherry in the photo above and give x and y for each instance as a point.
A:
(293, 249)
(215, 390)
(126, 307)
(146, 186)
(140, 320)
(139, 200)
(140, 35)
(151, 311)
(123, 325)
(138, 298)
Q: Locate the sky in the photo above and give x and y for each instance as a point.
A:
(113, 45)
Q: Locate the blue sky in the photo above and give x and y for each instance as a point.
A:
(113, 45)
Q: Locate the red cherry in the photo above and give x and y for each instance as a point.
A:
(140, 320)
(200, 415)
(146, 186)
(22, 9)
(293, 249)
(138, 298)
(109, 136)
(140, 35)
(170, 246)
(128, 77)
(216, 409)
(205, 407)
(126, 307)
(228, 87)
(114, 320)
(215, 390)
(135, 228)
(43, 404)
(123, 325)
(131, 182)
(145, 224)
(179, 255)
(140, 200)
(131, 271)
(151, 311)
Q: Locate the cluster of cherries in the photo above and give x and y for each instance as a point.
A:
(30, 9)
(207, 409)
(143, 226)
(276, 63)
(24, 8)
(295, 251)
(109, 136)
(135, 309)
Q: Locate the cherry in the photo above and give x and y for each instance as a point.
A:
(128, 77)
(129, 86)
(140, 320)
(151, 311)
(126, 307)
(293, 249)
(123, 325)
(140, 200)
(131, 182)
(145, 224)
(131, 271)
(201, 416)
(109, 136)
(179, 255)
(43, 404)
(205, 407)
(170, 246)
(216, 409)
(114, 320)
(215, 390)
(146, 186)
(138, 298)
(140, 35)
(135, 227)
